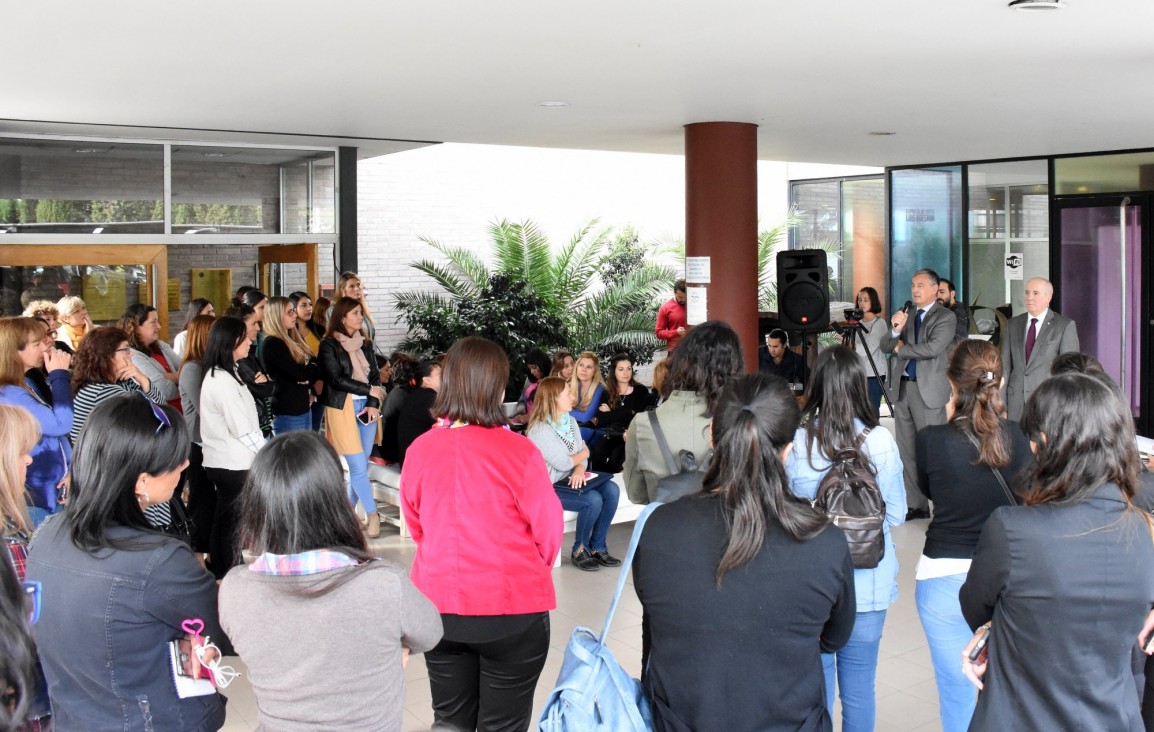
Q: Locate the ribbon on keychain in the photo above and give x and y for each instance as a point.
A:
(220, 675)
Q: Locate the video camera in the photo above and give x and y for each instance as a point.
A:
(853, 316)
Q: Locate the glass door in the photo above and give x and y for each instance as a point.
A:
(287, 268)
(1103, 250)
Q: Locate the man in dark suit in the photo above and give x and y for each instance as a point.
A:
(919, 343)
(1031, 342)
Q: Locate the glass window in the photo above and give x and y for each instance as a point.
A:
(864, 254)
(107, 290)
(60, 186)
(846, 218)
(251, 190)
(1124, 173)
(925, 226)
(1009, 217)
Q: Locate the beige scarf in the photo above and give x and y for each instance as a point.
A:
(352, 346)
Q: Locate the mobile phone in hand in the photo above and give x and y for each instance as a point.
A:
(978, 652)
(364, 417)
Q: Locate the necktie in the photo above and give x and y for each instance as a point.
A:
(1031, 336)
(912, 368)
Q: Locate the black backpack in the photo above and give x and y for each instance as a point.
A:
(850, 496)
(686, 474)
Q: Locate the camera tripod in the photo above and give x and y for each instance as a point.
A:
(853, 331)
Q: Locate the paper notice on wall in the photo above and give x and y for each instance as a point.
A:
(697, 270)
(1015, 262)
(696, 309)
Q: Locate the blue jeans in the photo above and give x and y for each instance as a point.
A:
(283, 423)
(948, 633)
(358, 462)
(595, 508)
(856, 665)
(318, 414)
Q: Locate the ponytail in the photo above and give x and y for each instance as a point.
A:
(976, 372)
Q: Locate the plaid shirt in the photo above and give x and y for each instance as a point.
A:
(314, 562)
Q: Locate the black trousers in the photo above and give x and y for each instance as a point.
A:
(201, 500)
(488, 685)
(223, 552)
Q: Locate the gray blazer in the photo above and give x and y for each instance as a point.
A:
(1058, 334)
(931, 352)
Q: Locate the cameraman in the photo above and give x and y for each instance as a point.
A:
(872, 333)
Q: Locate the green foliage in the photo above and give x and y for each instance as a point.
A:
(505, 311)
(597, 292)
(9, 211)
(215, 214)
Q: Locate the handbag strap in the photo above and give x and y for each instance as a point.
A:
(625, 567)
(997, 473)
(659, 435)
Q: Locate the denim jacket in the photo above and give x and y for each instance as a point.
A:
(105, 623)
(877, 587)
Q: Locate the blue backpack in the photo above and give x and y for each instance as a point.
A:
(593, 692)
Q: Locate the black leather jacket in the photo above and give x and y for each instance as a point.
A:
(337, 372)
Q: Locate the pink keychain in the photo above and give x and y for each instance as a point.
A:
(220, 676)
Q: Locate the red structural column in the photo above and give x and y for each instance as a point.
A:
(721, 221)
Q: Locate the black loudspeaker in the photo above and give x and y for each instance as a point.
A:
(802, 289)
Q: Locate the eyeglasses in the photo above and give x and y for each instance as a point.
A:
(33, 591)
(126, 349)
(159, 414)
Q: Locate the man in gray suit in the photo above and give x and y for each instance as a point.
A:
(1031, 342)
(920, 344)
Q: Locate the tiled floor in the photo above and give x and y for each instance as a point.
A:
(906, 695)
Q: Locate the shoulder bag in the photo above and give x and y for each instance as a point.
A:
(593, 692)
(685, 475)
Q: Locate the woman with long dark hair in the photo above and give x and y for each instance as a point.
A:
(624, 399)
(291, 366)
(704, 362)
(1063, 583)
(312, 564)
(230, 433)
(352, 398)
(868, 344)
(116, 592)
(250, 369)
(745, 584)
(196, 306)
(962, 466)
(487, 525)
(836, 416)
(154, 357)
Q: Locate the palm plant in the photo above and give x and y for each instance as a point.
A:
(597, 314)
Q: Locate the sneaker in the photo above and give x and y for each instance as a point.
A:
(585, 561)
(604, 558)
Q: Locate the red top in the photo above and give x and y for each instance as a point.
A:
(670, 317)
(160, 359)
(487, 523)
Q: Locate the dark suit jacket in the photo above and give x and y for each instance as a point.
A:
(1058, 334)
(931, 352)
(1067, 588)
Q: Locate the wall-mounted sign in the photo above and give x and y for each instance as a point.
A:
(696, 306)
(697, 270)
(1014, 265)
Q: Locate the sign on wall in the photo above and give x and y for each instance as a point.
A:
(1015, 262)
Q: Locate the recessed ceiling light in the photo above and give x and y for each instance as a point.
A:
(882, 134)
(86, 150)
(215, 155)
(554, 105)
(1035, 5)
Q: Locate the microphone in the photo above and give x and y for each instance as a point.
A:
(908, 307)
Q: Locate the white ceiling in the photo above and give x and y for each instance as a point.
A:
(955, 79)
